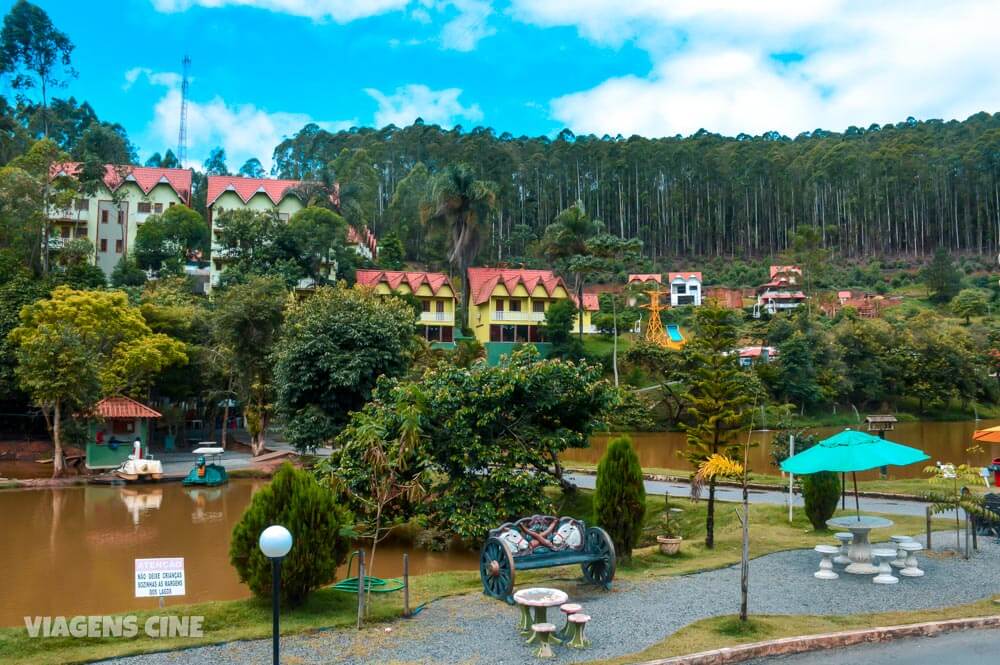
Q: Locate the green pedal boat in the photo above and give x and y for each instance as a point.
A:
(208, 473)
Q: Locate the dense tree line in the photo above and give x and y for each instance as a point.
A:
(903, 188)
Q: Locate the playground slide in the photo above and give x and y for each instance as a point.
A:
(675, 333)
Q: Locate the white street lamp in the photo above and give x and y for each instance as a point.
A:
(275, 542)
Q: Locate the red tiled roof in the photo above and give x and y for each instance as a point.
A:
(393, 278)
(144, 176)
(245, 188)
(123, 407)
(354, 238)
(645, 277)
(775, 270)
(684, 275)
(590, 302)
(756, 351)
(482, 281)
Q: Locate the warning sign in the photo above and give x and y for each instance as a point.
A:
(159, 577)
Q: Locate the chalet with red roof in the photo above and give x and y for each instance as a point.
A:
(782, 292)
(267, 194)
(434, 291)
(111, 216)
(508, 306)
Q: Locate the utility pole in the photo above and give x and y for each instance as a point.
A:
(182, 132)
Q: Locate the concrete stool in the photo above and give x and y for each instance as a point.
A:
(885, 575)
(825, 571)
(911, 548)
(543, 631)
(578, 640)
(564, 633)
(899, 561)
(845, 539)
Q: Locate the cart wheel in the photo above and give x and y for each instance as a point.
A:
(496, 570)
(601, 570)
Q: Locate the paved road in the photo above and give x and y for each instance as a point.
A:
(970, 647)
(888, 506)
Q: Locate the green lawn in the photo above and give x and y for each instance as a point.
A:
(251, 619)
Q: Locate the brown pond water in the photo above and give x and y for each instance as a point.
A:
(943, 441)
(70, 551)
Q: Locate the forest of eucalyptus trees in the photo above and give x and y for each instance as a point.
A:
(899, 190)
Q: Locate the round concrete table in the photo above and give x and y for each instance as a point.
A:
(860, 551)
(541, 599)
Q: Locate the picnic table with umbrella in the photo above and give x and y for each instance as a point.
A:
(851, 451)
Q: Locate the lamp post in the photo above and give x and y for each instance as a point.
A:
(275, 542)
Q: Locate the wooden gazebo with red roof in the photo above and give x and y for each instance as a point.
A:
(117, 421)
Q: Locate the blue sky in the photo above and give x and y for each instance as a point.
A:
(263, 68)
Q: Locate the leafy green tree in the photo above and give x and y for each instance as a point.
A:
(337, 344)
(462, 204)
(95, 334)
(969, 303)
(558, 330)
(216, 162)
(163, 242)
(390, 252)
(127, 273)
(26, 194)
(318, 524)
(821, 492)
(155, 160)
(620, 496)
(170, 160)
(357, 186)
(59, 371)
(798, 375)
(34, 52)
(16, 292)
(719, 395)
(247, 323)
(104, 143)
(942, 278)
(317, 239)
(489, 438)
(405, 211)
(252, 168)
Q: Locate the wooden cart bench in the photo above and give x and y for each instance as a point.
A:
(544, 541)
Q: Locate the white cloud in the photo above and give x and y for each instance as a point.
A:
(169, 79)
(340, 11)
(414, 101)
(463, 32)
(244, 130)
(714, 63)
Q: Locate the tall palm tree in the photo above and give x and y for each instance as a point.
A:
(462, 204)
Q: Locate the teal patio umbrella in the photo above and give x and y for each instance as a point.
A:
(852, 451)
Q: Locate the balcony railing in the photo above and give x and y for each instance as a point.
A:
(535, 317)
(443, 317)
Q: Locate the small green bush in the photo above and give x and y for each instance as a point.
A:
(821, 492)
(295, 500)
(620, 498)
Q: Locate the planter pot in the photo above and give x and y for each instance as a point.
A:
(669, 545)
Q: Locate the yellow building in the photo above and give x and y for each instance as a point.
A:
(433, 290)
(265, 195)
(508, 306)
(111, 216)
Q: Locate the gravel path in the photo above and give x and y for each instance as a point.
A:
(474, 629)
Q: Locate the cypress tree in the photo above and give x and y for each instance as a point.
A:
(295, 500)
(620, 498)
(821, 492)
